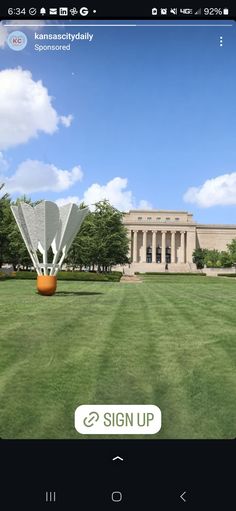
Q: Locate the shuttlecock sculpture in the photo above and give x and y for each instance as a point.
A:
(47, 225)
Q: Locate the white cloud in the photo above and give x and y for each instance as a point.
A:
(33, 176)
(218, 191)
(25, 108)
(144, 204)
(66, 120)
(68, 200)
(37, 176)
(115, 191)
(3, 163)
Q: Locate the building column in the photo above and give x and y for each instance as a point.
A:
(182, 242)
(144, 246)
(191, 245)
(154, 247)
(135, 246)
(173, 260)
(163, 246)
(130, 244)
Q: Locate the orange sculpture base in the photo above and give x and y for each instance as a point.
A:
(46, 284)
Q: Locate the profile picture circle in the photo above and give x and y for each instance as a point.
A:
(17, 40)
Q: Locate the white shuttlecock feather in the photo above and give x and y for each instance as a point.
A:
(47, 225)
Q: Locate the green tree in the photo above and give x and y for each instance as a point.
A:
(16, 253)
(4, 207)
(102, 241)
(111, 236)
(232, 251)
(225, 259)
(84, 245)
(14, 249)
(211, 258)
(199, 257)
(214, 258)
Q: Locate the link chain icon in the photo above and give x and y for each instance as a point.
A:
(91, 419)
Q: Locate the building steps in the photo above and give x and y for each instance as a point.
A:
(131, 269)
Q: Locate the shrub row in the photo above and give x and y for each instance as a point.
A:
(170, 273)
(72, 275)
(226, 274)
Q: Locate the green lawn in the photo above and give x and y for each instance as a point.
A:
(170, 341)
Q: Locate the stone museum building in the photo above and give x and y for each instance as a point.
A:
(160, 238)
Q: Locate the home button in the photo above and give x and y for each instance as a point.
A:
(116, 496)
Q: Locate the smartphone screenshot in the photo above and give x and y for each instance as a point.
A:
(117, 256)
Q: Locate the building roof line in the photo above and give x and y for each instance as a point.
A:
(156, 211)
(220, 226)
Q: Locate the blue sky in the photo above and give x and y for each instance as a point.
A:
(152, 106)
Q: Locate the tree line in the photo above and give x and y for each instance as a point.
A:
(101, 243)
(215, 258)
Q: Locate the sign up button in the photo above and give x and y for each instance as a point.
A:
(118, 419)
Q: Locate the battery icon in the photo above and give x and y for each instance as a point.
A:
(225, 12)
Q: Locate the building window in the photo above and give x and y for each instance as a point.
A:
(149, 218)
(168, 255)
(149, 255)
(158, 254)
(177, 218)
(140, 217)
(159, 218)
(167, 218)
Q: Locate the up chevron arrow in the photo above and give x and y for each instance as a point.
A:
(117, 458)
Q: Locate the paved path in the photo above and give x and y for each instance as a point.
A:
(130, 278)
